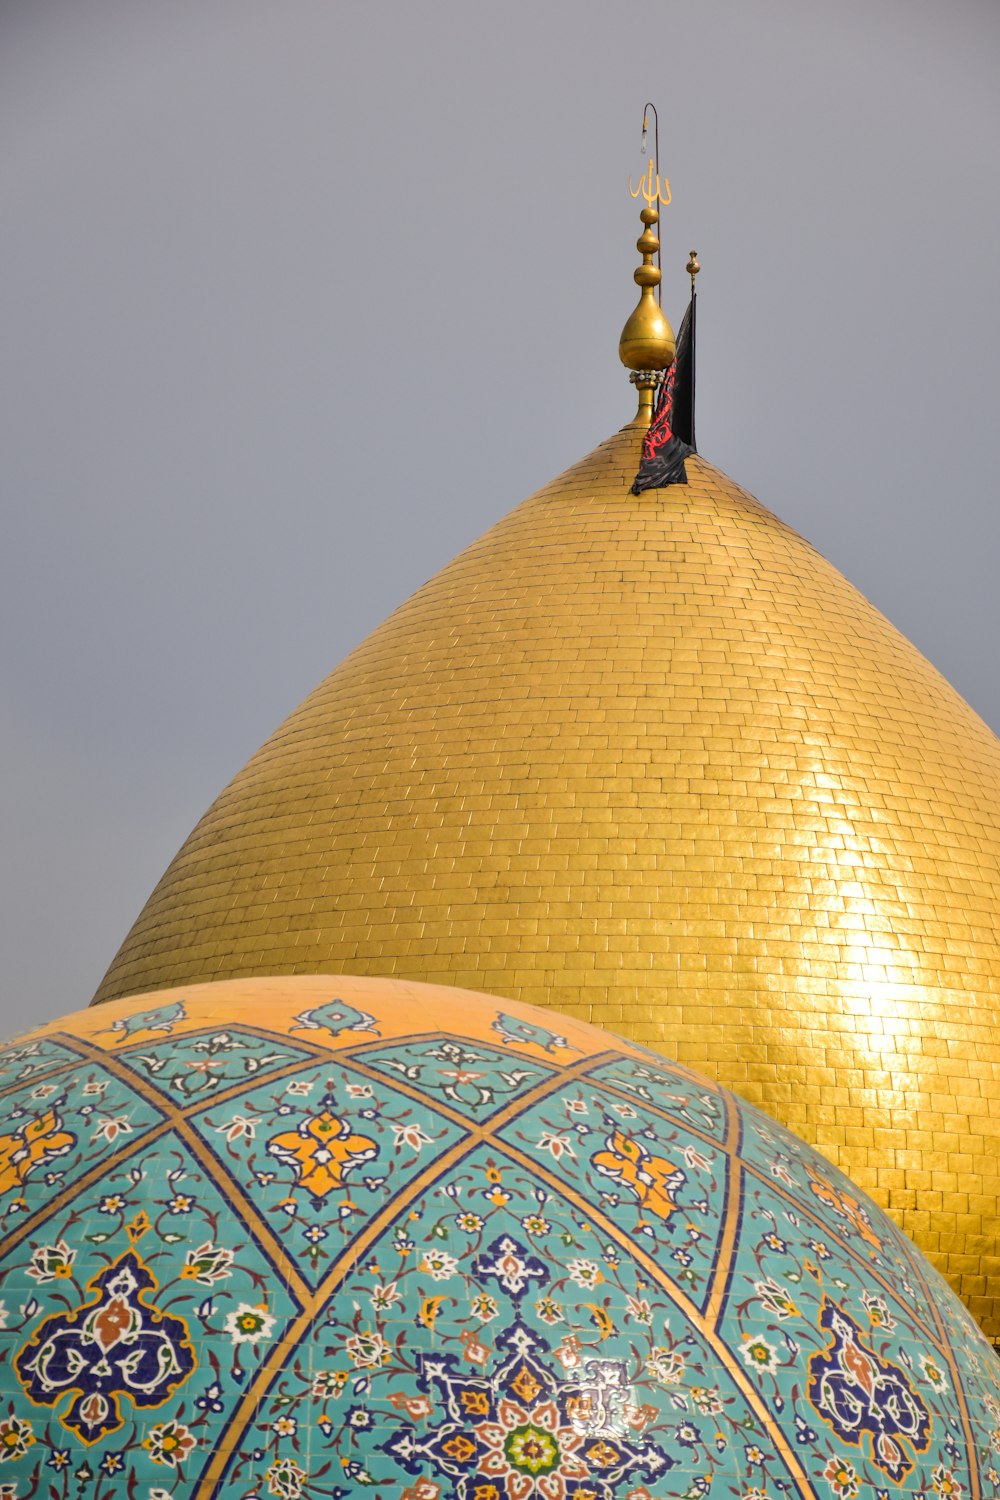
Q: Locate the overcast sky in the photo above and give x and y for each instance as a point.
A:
(299, 296)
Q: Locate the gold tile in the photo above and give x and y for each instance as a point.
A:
(653, 760)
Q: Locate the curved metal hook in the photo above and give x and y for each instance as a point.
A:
(649, 105)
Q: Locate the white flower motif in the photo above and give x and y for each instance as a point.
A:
(110, 1130)
(48, 1262)
(367, 1350)
(933, 1373)
(16, 1437)
(639, 1310)
(384, 1297)
(878, 1312)
(207, 1264)
(439, 1264)
(946, 1486)
(697, 1160)
(410, 1135)
(484, 1307)
(775, 1298)
(666, 1365)
(558, 1145)
(239, 1128)
(584, 1273)
(759, 1354)
(249, 1324)
(285, 1479)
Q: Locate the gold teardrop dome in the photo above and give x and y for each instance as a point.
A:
(652, 761)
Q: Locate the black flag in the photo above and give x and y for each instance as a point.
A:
(684, 378)
(671, 433)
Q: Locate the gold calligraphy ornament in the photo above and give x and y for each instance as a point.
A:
(652, 187)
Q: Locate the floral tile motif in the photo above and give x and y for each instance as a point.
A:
(778, 1157)
(883, 1403)
(649, 1177)
(321, 1152)
(693, 1102)
(845, 1346)
(336, 1018)
(132, 1320)
(473, 1079)
(517, 1423)
(522, 1031)
(116, 1347)
(23, 1060)
(542, 1361)
(352, 1249)
(192, 1068)
(155, 1020)
(60, 1127)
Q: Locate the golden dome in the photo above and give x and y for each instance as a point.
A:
(651, 761)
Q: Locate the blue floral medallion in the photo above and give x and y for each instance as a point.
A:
(117, 1346)
(857, 1393)
(523, 1430)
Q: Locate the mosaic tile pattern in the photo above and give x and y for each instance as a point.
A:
(427, 1244)
(650, 761)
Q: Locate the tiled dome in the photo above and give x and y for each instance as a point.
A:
(323, 1236)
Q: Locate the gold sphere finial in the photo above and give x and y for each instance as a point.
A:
(646, 346)
(693, 267)
(647, 343)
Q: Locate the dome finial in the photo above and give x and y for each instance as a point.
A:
(646, 346)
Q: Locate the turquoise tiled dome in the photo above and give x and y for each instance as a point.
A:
(318, 1237)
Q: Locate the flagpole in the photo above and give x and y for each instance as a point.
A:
(693, 267)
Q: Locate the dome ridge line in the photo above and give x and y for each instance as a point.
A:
(727, 1146)
(502, 1116)
(27, 1226)
(943, 1344)
(752, 1170)
(178, 1119)
(273, 1365)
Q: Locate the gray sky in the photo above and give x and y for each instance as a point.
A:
(298, 298)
